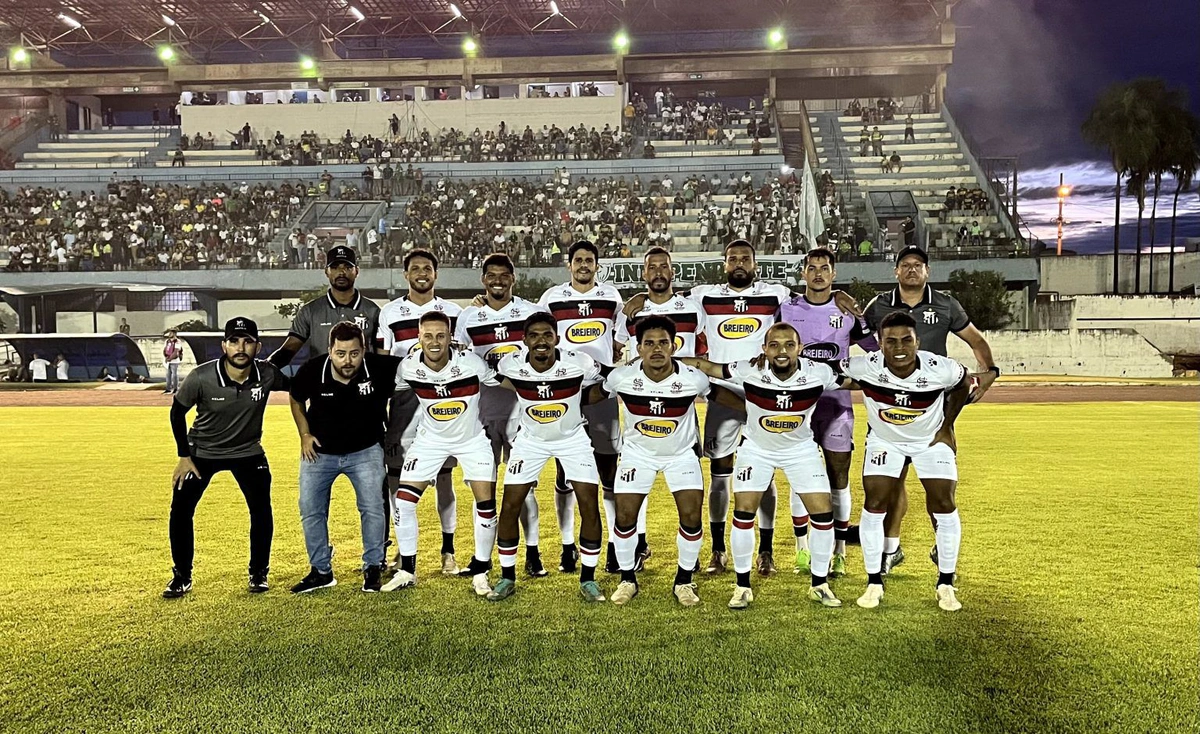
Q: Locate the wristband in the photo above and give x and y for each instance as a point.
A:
(995, 369)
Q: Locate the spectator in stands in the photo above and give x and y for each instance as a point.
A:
(964, 235)
(909, 229)
(976, 233)
(951, 202)
(108, 117)
(38, 369)
(864, 137)
(894, 162)
(876, 141)
(124, 327)
(177, 158)
(865, 249)
(155, 116)
(885, 165)
(756, 147)
(909, 135)
(62, 368)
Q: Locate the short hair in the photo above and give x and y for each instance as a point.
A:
(782, 325)
(656, 250)
(420, 252)
(430, 316)
(737, 243)
(897, 318)
(654, 321)
(582, 245)
(824, 252)
(501, 259)
(541, 317)
(344, 331)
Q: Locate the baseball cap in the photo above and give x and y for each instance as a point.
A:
(912, 250)
(241, 326)
(341, 253)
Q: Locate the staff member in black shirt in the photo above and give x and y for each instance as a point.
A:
(230, 397)
(938, 315)
(339, 402)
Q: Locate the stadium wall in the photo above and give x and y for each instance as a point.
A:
(1074, 352)
(331, 120)
(1092, 274)
(1172, 325)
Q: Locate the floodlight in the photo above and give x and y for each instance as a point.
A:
(470, 46)
(168, 20)
(554, 8)
(454, 9)
(358, 14)
(69, 20)
(166, 53)
(20, 55)
(307, 63)
(621, 41)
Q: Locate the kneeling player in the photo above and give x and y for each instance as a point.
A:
(549, 385)
(780, 397)
(912, 399)
(447, 384)
(658, 399)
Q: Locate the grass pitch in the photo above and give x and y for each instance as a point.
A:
(1078, 576)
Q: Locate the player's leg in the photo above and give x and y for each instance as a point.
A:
(421, 466)
(806, 475)
(564, 508)
(837, 466)
(893, 555)
(500, 439)
(765, 562)
(883, 468)
(508, 532)
(741, 543)
(401, 412)
(479, 472)
(937, 468)
(316, 481)
(722, 428)
(447, 508)
(182, 534)
(686, 482)
(604, 432)
(365, 470)
(253, 476)
(624, 535)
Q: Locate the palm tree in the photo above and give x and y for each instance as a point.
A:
(1181, 152)
(1122, 122)
(1136, 187)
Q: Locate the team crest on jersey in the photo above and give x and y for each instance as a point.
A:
(783, 401)
(740, 305)
(256, 393)
(546, 413)
(421, 372)
(404, 310)
(900, 416)
(480, 316)
(585, 331)
(544, 391)
(364, 388)
(679, 305)
(657, 427)
(447, 410)
(361, 322)
(835, 321)
(930, 317)
(739, 327)
(585, 308)
(500, 332)
(512, 313)
(438, 307)
(524, 372)
(901, 399)
(781, 423)
(442, 391)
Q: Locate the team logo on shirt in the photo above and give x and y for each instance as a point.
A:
(585, 331)
(821, 351)
(656, 427)
(361, 322)
(781, 423)
(900, 416)
(447, 410)
(930, 317)
(364, 388)
(739, 327)
(256, 393)
(547, 413)
(835, 321)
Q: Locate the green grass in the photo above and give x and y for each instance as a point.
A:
(1078, 575)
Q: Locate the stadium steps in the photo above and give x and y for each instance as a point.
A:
(123, 147)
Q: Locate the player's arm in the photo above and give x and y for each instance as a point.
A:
(183, 402)
(840, 372)
(283, 356)
(634, 306)
(726, 397)
(715, 370)
(983, 355)
(308, 442)
(956, 397)
(847, 303)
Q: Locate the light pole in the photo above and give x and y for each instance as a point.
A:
(1063, 190)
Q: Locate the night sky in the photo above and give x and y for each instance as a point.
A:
(1025, 75)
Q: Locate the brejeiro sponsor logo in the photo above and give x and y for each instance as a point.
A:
(781, 423)
(547, 413)
(585, 331)
(447, 410)
(657, 427)
(502, 350)
(739, 327)
(900, 416)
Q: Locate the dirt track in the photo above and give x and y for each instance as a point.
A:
(93, 397)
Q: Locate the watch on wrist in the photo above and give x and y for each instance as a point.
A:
(995, 369)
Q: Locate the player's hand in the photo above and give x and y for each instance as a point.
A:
(980, 383)
(184, 470)
(479, 301)
(846, 303)
(634, 306)
(759, 361)
(945, 435)
(308, 447)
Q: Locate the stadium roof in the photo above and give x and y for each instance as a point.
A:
(127, 32)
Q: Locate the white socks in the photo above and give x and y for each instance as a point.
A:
(687, 543)
(447, 505)
(949, 538)
(625, 541)
(841, 516)
(891, 545)
(741, 542)
(405, 520)
(870, 534)
(564, 505)
(821, 542)
(530, 518)
(799, 522)
(485, 530)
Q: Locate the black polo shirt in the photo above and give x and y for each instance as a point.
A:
(350, 417)
(937, 316)
(229, 415)
(315, 318)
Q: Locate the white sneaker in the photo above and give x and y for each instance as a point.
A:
(870, 598)
(479, 582)
(402, 580)
(946, 599)
(742, 596)
(625, 592)
(686, 594)
(449, 565)
(824, 596)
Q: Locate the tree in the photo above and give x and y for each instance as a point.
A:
(1180, 154)
(192, 325)
(984, 297)
(1122, 122)
(862, 291)
(531, 289)
(288, 309)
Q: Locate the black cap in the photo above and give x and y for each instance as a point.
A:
(241, 326)
(912, 250)
(341, 253)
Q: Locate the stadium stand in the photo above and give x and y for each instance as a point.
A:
(118, 147)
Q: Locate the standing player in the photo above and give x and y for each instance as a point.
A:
(826, 334)
(549, 384)
(782, 390)
(230, 397)
(661, 299)
(398, 329)
(446, 383)
(493, 330)
(912, 398)
(937, 315)
(587, 312)
(658, 395)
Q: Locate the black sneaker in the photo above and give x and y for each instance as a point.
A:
(373, 578)
(611, 565)
(258, 582)
(474, 568)
(533, 563)
(313, 581)
(639, 561)
(570, 557)
(179, 585)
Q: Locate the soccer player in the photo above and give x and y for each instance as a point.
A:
(550, 384)
(587, 312)
(230, 397)
(826, 334)
(937, 315)
(781, 392)
(658, 398)
(398, 330)
(447, 384)
(912, 398)
(661, 299)
(493, 330)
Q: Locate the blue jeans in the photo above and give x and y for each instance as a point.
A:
(366, 472)
(172, 377)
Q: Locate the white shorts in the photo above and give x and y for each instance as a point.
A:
(637, 471)
(528, 457)
(804, 468)
(604, 426)
(887, 459)
(428, 454)
(403, 422)
(722, 429)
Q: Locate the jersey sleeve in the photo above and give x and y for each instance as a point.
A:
(949, 371)
(958, 316)
(401, 378)
(854, 368)
(301, 382)
(302, 324)
(738, 371)
(189, 392)
(701, 322)
(487, 374)
(830, 379)
(384, 339)
(460, 328)
(700, 380)
(613, 379)
(621, 328)
(591, 369)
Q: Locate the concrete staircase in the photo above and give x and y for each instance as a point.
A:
(119, 147)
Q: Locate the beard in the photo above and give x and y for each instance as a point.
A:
(740, 278)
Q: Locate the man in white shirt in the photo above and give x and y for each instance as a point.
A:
(62, 368)
(38, 368)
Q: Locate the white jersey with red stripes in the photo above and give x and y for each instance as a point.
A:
(399, 319)
(779, 410)
(659, 417)
(736, 322)
(904, 409)
(491, 334)
(586, 320)
(548, 403)
(689, 323)
(449, 397)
